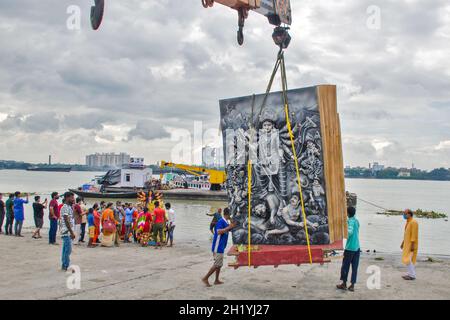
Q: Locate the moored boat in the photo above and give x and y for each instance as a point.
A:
(50, 169)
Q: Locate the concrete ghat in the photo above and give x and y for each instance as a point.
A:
(30, 270)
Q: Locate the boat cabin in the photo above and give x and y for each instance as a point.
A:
(135, 175)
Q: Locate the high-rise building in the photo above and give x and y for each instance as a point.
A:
(112, 160)
(212, 157)
(376, 167)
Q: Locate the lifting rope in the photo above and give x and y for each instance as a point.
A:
(373, 204)
(249, 173)
(278, 65)
(294, 152)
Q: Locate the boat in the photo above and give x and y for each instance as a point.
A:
(104, 195)
(124, 183)
(50, 168)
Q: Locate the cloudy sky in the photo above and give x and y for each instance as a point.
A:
(156, 67)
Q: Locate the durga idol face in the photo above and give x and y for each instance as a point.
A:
(267, 126)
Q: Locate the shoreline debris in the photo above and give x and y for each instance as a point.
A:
(419, 213)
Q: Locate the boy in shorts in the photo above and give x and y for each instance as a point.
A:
(220, 240)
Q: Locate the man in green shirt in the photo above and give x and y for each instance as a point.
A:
(9, 215)
(2, 212)
(351, 253)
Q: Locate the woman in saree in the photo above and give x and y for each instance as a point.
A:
(140, 223)
(96, 224)
(134, 224)
(145, 237)
(109, 225)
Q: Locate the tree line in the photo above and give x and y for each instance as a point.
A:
(440, 174)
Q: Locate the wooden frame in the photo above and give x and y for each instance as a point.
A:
(274, 212)
(333, 161)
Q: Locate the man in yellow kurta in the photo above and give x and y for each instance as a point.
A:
(410, 244)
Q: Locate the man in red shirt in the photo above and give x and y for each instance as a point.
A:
(54, 217)
(78, 216)
(158, 227)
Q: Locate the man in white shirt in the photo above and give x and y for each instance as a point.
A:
(67, 229)
(170, 224)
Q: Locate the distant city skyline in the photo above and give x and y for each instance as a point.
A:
(208, 161)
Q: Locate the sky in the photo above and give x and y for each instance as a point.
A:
(156, 70)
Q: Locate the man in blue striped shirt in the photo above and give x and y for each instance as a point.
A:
(220, 240)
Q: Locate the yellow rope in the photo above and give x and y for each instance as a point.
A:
(291, 135)
(249, 178)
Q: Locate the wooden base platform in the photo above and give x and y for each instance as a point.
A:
(272, 255)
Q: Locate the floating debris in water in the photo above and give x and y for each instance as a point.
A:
(419, 213)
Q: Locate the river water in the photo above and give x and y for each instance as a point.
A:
(378, 232)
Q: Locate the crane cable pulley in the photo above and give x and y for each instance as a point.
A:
(280, 64)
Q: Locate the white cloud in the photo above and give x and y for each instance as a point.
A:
(380, 145)
(443, 145)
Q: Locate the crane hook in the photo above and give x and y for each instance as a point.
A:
(207, 3)
(97, 13)
(242, 15)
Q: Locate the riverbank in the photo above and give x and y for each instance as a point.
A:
(30, 270)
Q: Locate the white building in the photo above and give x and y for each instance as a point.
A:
(212, 157)
(112, 160)
(376, 167)
(404, 174)
(135, 178)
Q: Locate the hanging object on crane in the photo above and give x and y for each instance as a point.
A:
(281, 37)
(278, 12)
(97, 13)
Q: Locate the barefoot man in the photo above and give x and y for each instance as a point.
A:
(410, 244)
(219, 244)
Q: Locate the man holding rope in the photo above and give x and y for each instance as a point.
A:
(351, 253)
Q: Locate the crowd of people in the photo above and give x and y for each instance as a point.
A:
(103, 224)
(153, 223)
(13, 211)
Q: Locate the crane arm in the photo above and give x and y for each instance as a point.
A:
(267, 8)
(216, 177)
(191, 169)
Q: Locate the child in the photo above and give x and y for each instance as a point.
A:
(91, 228)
